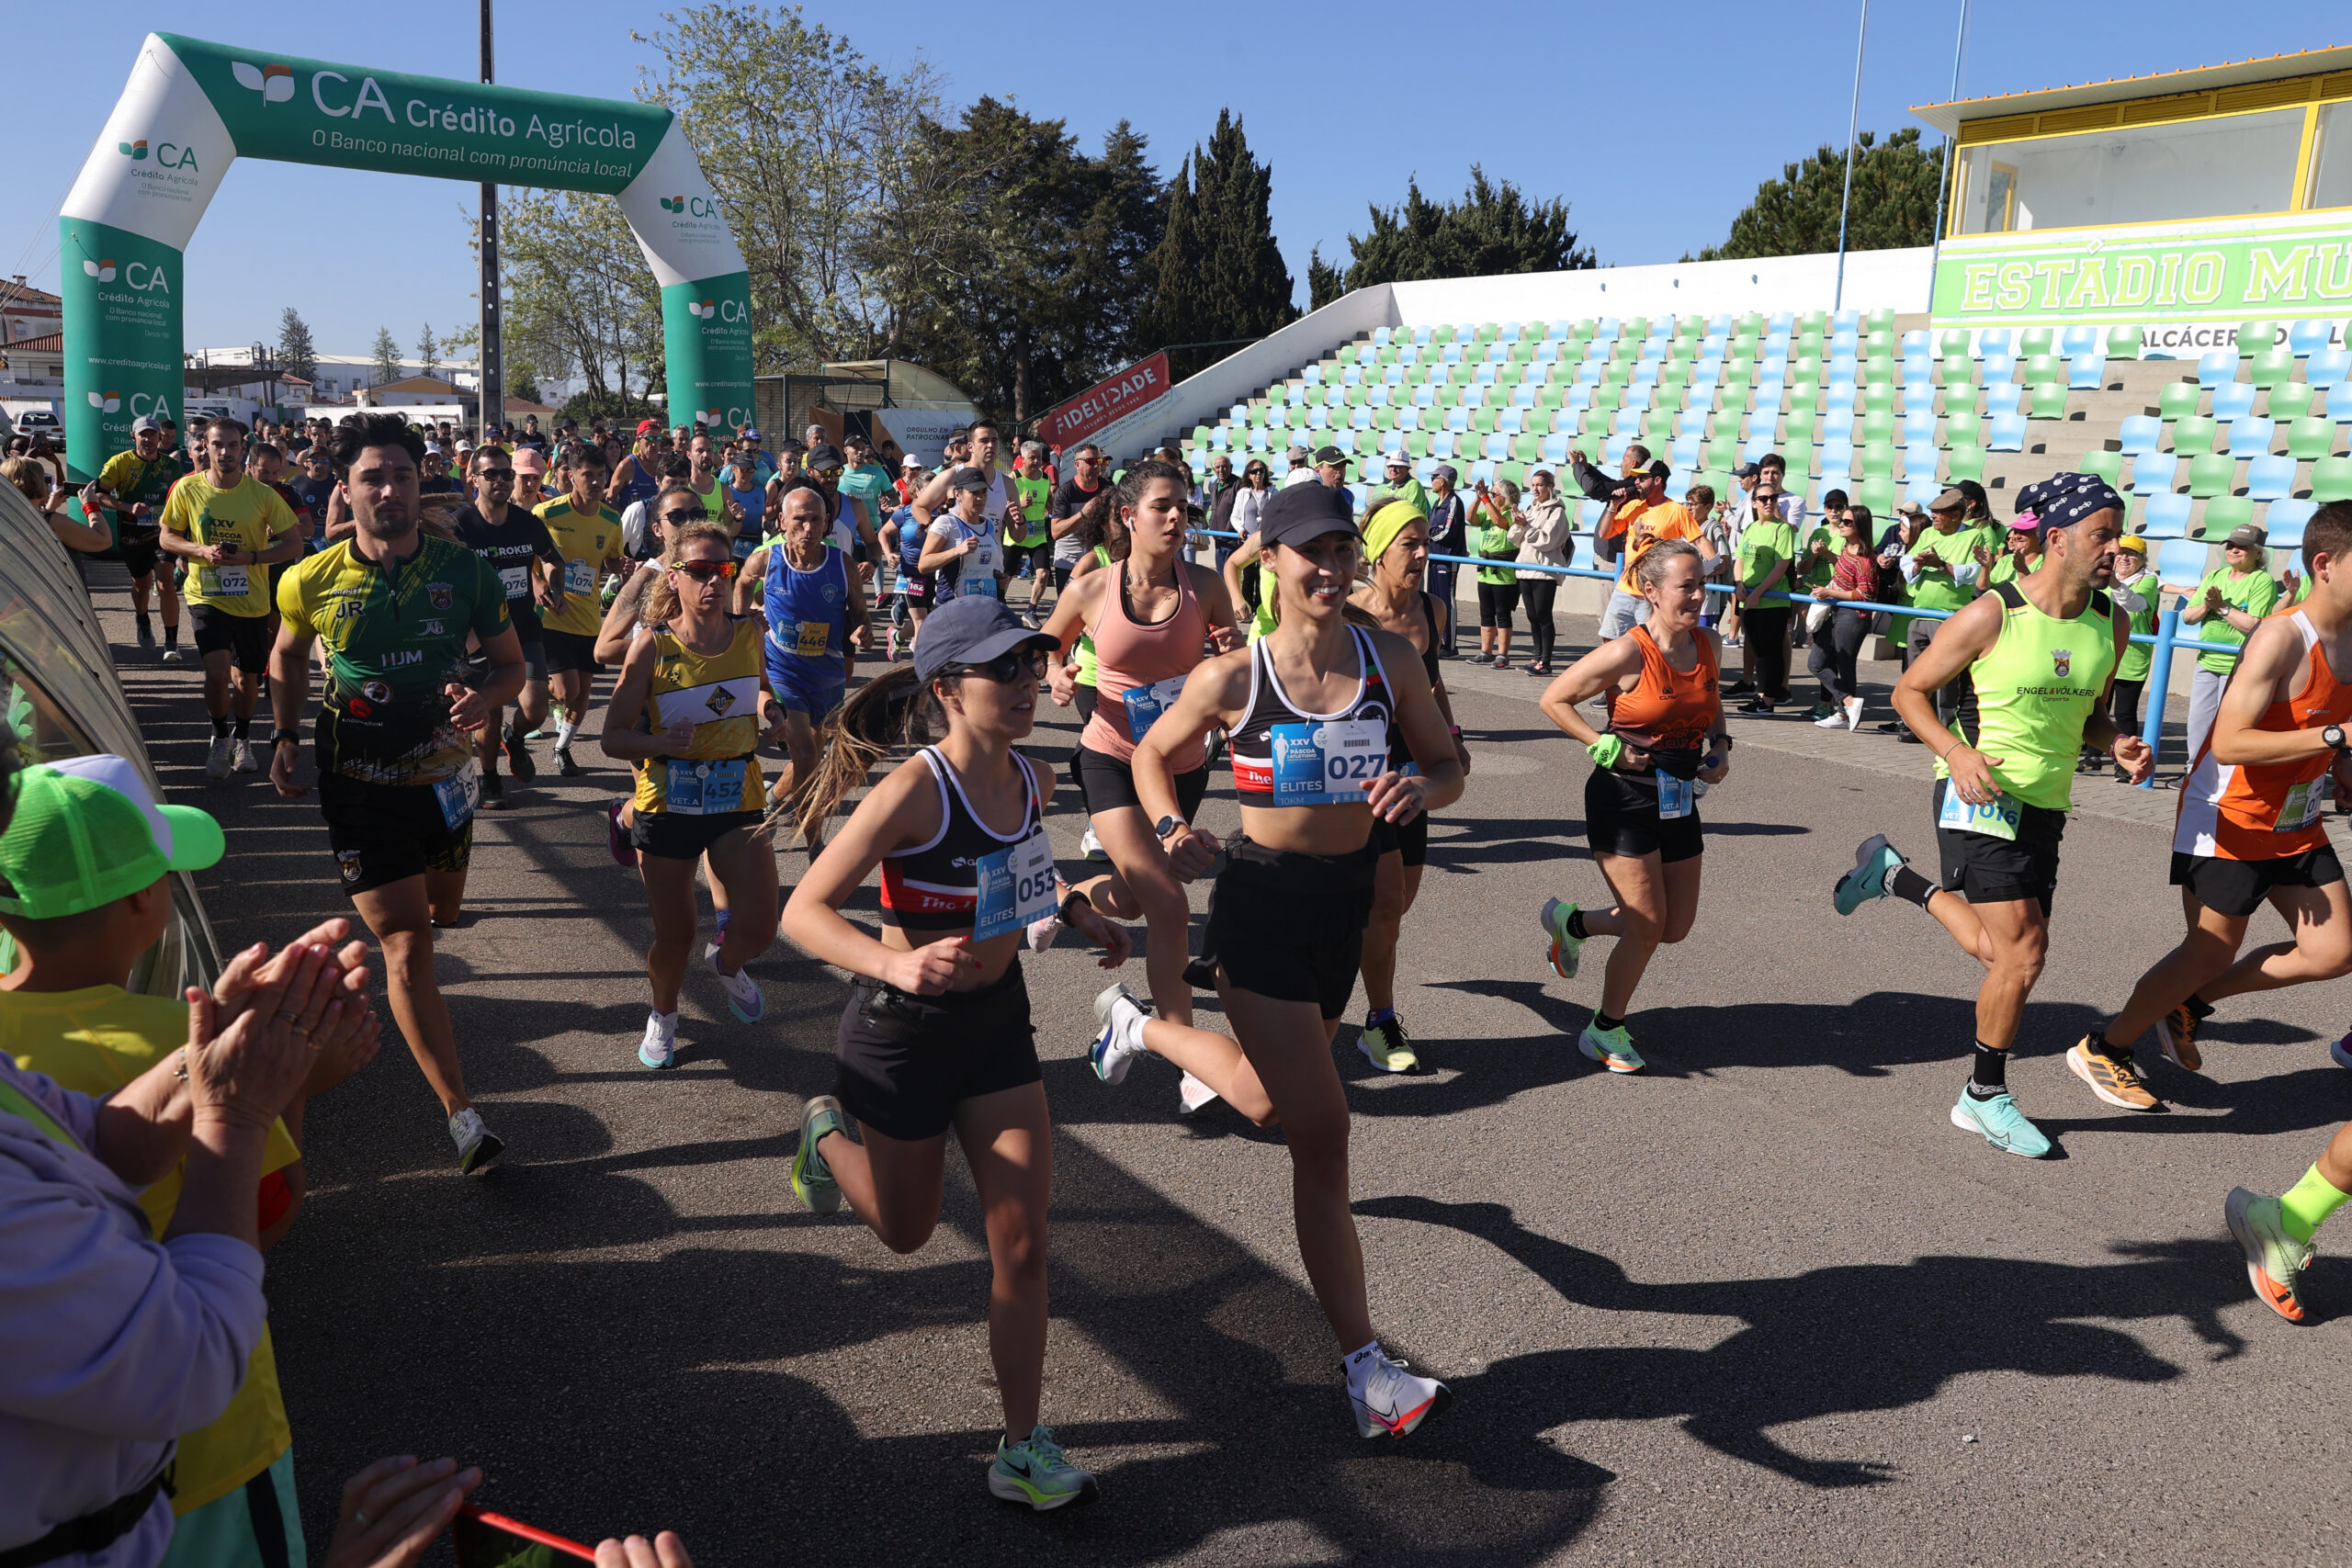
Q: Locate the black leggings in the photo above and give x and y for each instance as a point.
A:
(2124, 706)
(1836, 648)
(1767, 630)
(1495, 602)
(1539, 615)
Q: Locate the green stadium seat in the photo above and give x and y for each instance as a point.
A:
(1448, 396)
(1658, 425)
(2255, 338)
(1634, 329)
(1955, 345)
(2211, 474)
(1552, 396)
(1804, 398)
(2179, 399)
(1875, 460)
(2291, 399)
(2035, 340)
(1751, 325)
(1723, 450)
(1523, 352)
(1876, 492)
(1959, 371)
(1878, 370)
(2224, 512)
(1387, 353)
(1964, 463)
(1797, 430)
(2193, 436)
(2274, 366)
(2108, 466)
(1620, 372)
(2123, 343)
(1876, 426)
(1514, 471)
(1879, 397)
(2044, 369)
(1813, 323)
(1810, 346)
(2311, 439)
(1417, 442)
(1490, 332)
(1594, 425)
(1879, 343)
(1485, 420)
(1441, 337)
(2049, 402)
(2332, 479)
(1963, 427)
(1879, 321)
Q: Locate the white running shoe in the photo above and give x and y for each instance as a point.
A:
(1834, 721)
(1193, 1096)
(1091, 847)
(1042, 933)
(659, 1047)
(246, 762)
(172, 657)
(1854, 712)
(744, 998)
(1391, 1401)
(478, 1146)
(221, 758)
(1116, 1049)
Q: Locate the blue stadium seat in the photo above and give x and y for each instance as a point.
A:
(1918, 425)
(1994, 341)
(1548, 353)
(2232, 401)
(1920, 457)
(1919, 340)
(2339, 402)
(1351, 376)
(2180, 560)
(1498, 449)
(1394, 375)
(1606, 329)
(2141, 433)
(1555, 448)
(1381, 337)
(1691, 423)
(1677, 482)
(2328, 367)
(1769, 396)
(1638, 397)
(1482, 468)
(1391, 441)
(1579, 397)
(1441, 444)
(1321, 419)
(2152, 473)
(2218, 368)
(2002, 399)
(1221, 438)
(1779, 324)
(1838, 425)
(1510, 332)
(1581, 560)
(1457, 420)
(1523, 395)
(2087, 372)
(1588, 516)
(2307, 338)
(1756, 447)
(2075, 342)
(1846, 321)
(2251, 438)
(1918, 370)
(2271, 479)
(1612, 450)
(1918, 398)
(2005, 432)
(1626, 421)
(1684, 454)
(1425, 396)
(1999, 368)
(1510, 421)
(1923, 486)
(2284, 523)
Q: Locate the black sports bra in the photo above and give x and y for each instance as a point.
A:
(936, 886)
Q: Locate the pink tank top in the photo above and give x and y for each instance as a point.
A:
(1139, 669)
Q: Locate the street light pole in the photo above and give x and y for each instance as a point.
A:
(1958, 53)
(1853, 132)
(489, 367)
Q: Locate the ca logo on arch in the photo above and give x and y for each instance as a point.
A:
(102, 270)
(274, 83)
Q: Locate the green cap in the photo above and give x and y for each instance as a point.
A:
(87, 831)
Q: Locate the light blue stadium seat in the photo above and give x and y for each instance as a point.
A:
(1838, 425)
(1838, 455)
(1425, 396)
(1683, 456)
(2232, 401)
(1589, 373)
(2307, 338)
(1638, 396)
(1919, 340)
(1239, 413)
(2167, 518)
(1498, 449)
(1581, 559)
(1555, 448)
(2152, 473)
(1691, 423)
(1612, 451)
(2328, 367)
(1919, 398)
(1918, 370)
(2250, 436)
(1589, 514)
(1626, 423)
(1920, 457)
(1999, 368)
(1391, 441)
(1579, 397)
(1451, 354)
(1846, 321)
(1510, 332)
(1510, 421)
(1548, 353)
(1779, 324)
(1441, 444)
(1374, 397)
(1425, 468)
(1918, 425)
(1312, 374)
(2339, 402)
(1606, 329)
(2005, 433)
(1754, 449)
(1523, 395)
(1221, 438)
(1321, 419)
(1474, 396)
(2218, 368)
(2271, 479)
(1351, 376)
(2141, 433)
(1923, 486)
(1482, 468)
(1837, 395)
(2002, 399)
(1994, 341)
(2075, 342)
(1381, 337)
(1760, 424)
(1394, 375)
(1644, 373)
(2087, 372)
(2284, 523)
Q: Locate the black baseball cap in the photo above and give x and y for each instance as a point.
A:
(962, 479)
(972, 630)
(825, 456)
(1294, 515)
(1330, 454)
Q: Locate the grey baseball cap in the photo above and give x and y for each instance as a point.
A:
(972, 630)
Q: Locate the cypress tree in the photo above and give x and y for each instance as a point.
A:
(1217, 273)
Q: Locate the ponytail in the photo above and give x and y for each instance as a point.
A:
(891, 710)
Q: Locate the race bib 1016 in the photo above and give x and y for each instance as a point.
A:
(459, 794)
(1996, 820)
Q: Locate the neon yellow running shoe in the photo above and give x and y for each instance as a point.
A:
(1565, 947)
(1033, 1473)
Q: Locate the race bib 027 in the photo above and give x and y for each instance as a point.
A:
(1328, 764)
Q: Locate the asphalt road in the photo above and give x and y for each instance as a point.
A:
(1761, 1304)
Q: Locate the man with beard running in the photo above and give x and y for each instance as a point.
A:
(134, 484)
(396, 783)
(510, 538)
(2040, 649)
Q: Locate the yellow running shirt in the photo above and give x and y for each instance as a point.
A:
(590, 543)
(248, 516)
(720, 693)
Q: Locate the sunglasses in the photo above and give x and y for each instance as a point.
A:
(686, 515)
(705, 571)
(493, 475)
(1006, 667)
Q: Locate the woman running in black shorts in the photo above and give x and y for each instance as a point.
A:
(937, 1033)
(1666, 732)
(1309, 708)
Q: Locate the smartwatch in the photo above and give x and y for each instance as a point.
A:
(2333, 736)
(285, 737)
(1165, 826)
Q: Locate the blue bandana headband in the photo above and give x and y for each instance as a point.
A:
(2064, 500)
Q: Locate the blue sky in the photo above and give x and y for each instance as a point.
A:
(1656, 136)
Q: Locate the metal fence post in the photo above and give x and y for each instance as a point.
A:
(2159, 687)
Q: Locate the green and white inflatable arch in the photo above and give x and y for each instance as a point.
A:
(192, 109)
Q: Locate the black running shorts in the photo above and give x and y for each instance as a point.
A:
(569, 650)
(1290, 926)
(2237, 887)
(1106, 784)
(1621, 819)
(1986, 870)
(902, 1064)
(139, 553)
(676, 836)
(1411, 841)
(386, 833)
(245, 639)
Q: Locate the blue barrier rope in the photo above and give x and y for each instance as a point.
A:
(2164, 642)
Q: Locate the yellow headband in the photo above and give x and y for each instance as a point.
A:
(1381, 530)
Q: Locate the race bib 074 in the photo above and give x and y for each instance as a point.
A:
(578, 577)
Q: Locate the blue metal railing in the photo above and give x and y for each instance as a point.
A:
(2168, 637)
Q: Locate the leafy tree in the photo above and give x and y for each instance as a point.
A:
(1217, 273)
(388, 357)
(1493, 228)
(579, 297)
(428, 351)
(1894, 203)
(296, 352)
(1325, 282)
(523, 379)
(804, 140)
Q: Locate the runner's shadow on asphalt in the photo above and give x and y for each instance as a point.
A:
(1462, 844)
(1832, 1340)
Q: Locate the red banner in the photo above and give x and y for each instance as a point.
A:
(1113, 398)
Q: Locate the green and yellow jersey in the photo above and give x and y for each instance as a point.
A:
(591, 543)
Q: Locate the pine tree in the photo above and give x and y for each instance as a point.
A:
(1325, 282)
(387, 358)
(428, 352)
(1492, 229)
(1894, 202)
(1217, 273)
(297, 355)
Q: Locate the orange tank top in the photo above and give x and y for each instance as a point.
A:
(2232, 811)
(1669, 710)
(1139, 668)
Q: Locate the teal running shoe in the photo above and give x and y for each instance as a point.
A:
(811, 1183)
(1033, 1473)
(2002, 1124)
(1874, 862)
(1612, 1048)
(1564, 948)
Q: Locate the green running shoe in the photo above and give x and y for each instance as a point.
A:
(1385, 1047)
(1612, 1048)
(1564, 948)
(811, 1183)
(2273, 1258)
(2002, 1124)
(1032, 1473)
(1874, 862)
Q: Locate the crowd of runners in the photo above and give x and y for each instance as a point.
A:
(454, 604)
